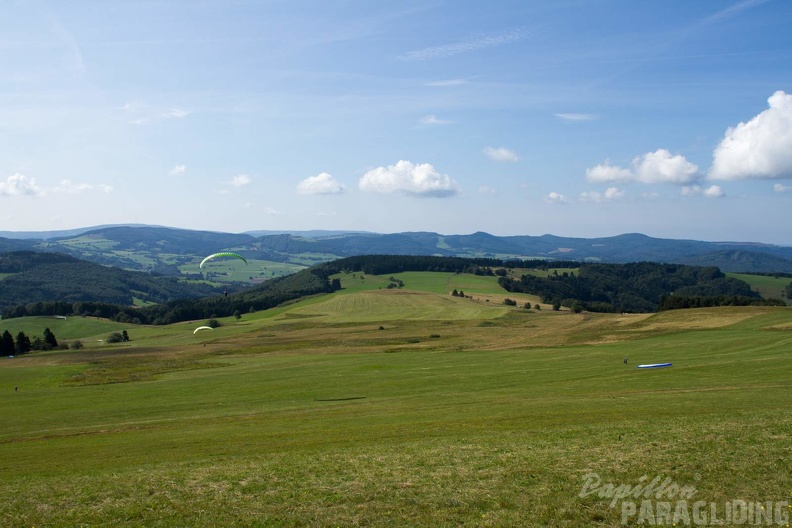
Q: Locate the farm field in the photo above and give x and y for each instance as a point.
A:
(765, 285)
(395, 407)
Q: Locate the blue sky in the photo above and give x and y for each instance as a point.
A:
(575, 118)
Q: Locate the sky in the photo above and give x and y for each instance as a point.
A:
(514, 117)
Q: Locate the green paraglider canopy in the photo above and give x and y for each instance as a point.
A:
(222, 254)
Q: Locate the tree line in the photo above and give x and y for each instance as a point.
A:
(23, 344)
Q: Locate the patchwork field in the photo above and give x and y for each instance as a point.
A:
(396, 407)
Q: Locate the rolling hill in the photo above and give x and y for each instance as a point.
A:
(163, 249)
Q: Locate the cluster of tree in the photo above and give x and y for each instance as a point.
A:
(677, 302)
(636, 287)
(395, 283)
(456, 293)
(388, 264)
(23, 344)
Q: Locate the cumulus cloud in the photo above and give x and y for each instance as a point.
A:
(19, 185)
(760, 148)
(240, 180)
(320, 184)
(408, 178)
(713, 191)
(610, 194)
(178, 170)
(555, 198)
(607, 173)
(653, 167)
(500, 154)
(779, 188)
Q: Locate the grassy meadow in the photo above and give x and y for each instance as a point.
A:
(393, 407)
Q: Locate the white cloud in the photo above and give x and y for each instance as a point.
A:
(555, 198)
(19, 185)
(240, 180)
(178, 170)
(408, 178)
(714, 191)
(610, 194)
(176, 112)
(500, 154)
(576, 117)
(760, 148)
(141, 113)
(433, 120)
(449, 50)
(779, 188)
(69, 187)
(486, 189)
(659, 166)
(320, 184)
(271, 211)
(607, 173)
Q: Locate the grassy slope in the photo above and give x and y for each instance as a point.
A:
(311, 415)
(766, 286)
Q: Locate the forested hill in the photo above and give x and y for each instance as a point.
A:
(636, 287)
(42, 277)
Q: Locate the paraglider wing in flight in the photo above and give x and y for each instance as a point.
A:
(222, 254)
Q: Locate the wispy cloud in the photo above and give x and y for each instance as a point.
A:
(433, 120)
(577, 117)
(714, 191)
(612, 193)
(486, 189)
(472, 44)
(178, 170)
(448, 82)
(780, 188)
(241, 180)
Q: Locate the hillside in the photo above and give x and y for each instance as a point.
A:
(175, 251)
(46, 277)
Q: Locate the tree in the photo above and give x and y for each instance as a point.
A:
(49, 338)
(7, 347)
(125, 336)
(76, 345)
(237, 315)
(115, 337)
(22, 343)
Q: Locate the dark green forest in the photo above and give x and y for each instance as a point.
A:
(636, 287)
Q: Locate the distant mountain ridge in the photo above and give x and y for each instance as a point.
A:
(156, 248)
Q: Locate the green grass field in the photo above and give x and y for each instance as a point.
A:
(766, 286)
(377, 407)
